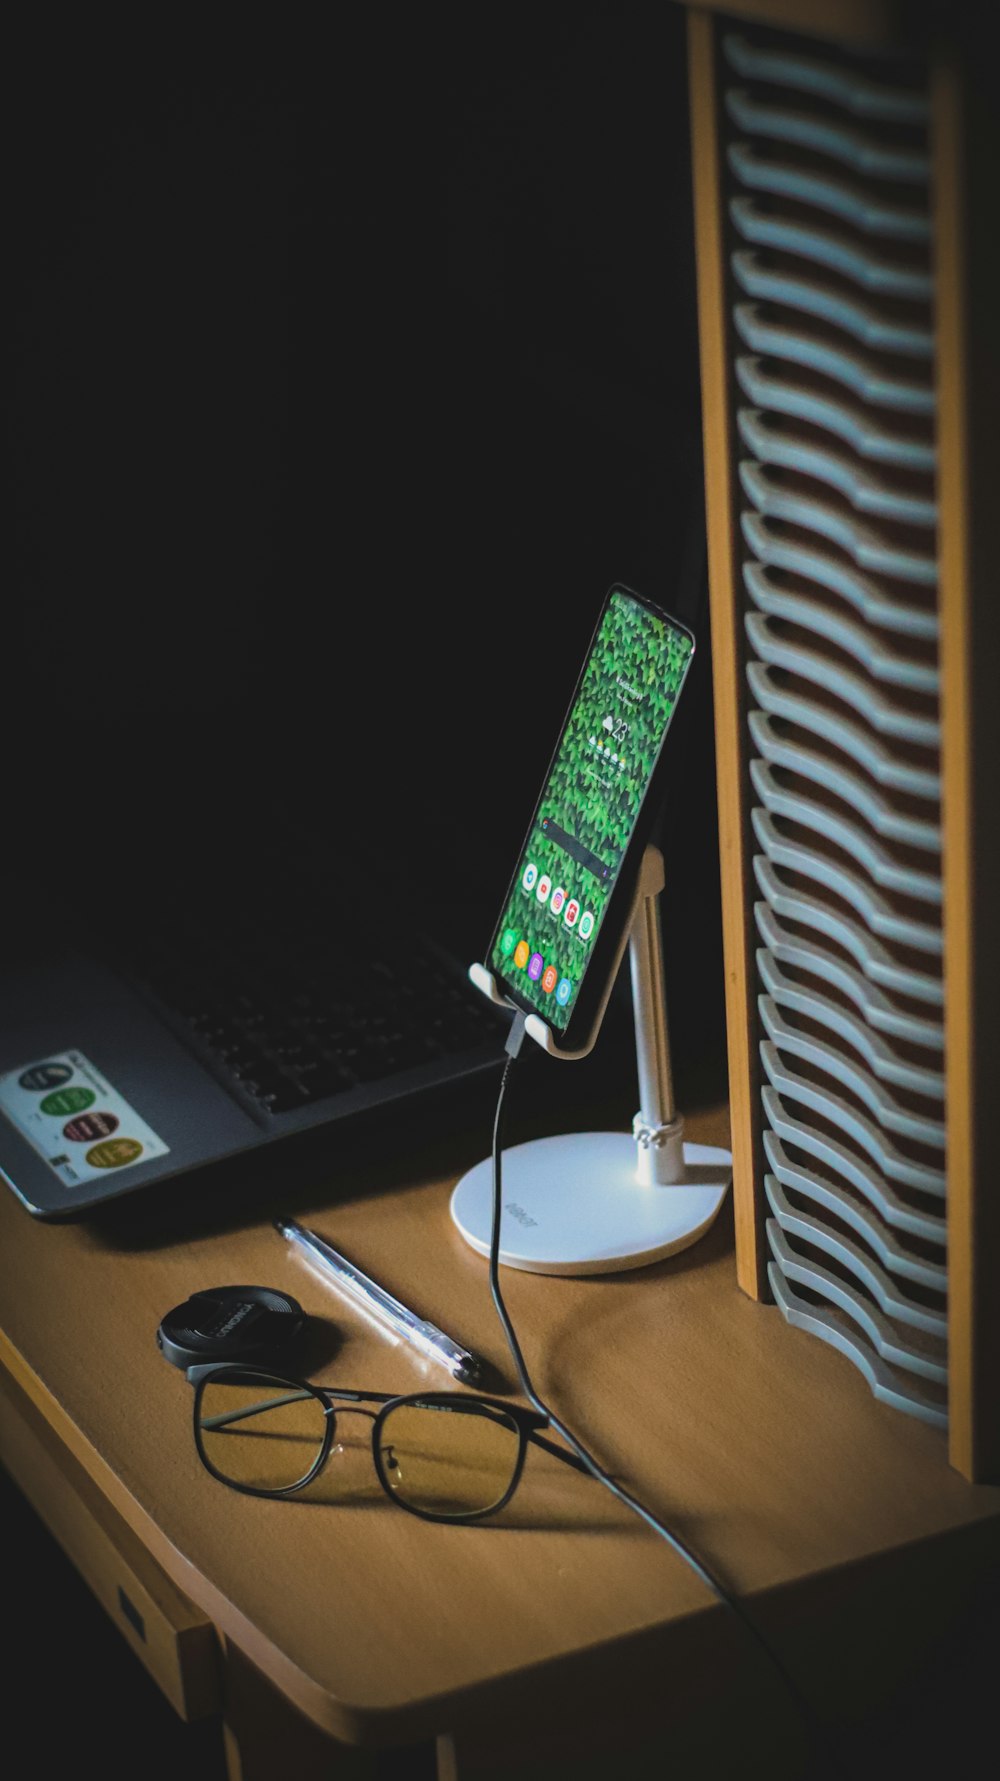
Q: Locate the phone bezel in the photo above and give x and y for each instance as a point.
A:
(608, 947)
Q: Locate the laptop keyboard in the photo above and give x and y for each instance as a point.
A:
(296, 1029)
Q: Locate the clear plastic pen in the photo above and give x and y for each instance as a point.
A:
(381, 1305)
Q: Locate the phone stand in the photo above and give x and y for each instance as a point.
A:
(601, 1202)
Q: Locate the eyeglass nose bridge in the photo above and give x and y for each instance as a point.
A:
(336, 1411)
(333, 1415)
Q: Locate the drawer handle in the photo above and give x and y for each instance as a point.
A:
(131, 1614)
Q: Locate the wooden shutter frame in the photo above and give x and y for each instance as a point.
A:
(965, 143)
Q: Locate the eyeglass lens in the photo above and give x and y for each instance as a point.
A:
(259, 1434)
(449, 1460)
(446, 1459)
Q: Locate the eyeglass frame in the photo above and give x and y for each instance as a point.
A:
(528, 1424)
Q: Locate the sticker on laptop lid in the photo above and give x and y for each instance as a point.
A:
(73, 1117)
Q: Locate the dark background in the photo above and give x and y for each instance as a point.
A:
(351, 366)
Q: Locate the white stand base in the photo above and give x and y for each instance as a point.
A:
(574, 1204)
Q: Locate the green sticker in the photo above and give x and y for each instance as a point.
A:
(68, 1100)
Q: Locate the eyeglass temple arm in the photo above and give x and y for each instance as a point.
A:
(560, 1452)
(289, 1397)
(227, 1416)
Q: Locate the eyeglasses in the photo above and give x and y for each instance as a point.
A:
(442, 1455)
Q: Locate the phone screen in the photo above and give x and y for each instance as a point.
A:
(590, 803)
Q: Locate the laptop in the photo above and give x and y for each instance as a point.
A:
(167, 1008)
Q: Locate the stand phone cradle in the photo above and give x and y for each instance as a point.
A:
(601, 1202)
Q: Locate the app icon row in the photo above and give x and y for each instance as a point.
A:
(539, 972)
(558, 900)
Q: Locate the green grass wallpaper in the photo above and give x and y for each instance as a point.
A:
(588, 807)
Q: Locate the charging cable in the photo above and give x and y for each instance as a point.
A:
(515, 1039)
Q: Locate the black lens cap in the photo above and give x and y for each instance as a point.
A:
(231, 1323)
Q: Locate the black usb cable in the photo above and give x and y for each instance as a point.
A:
(515, 1040)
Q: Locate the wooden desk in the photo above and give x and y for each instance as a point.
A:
(345, 1627)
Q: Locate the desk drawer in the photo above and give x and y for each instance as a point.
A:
(171, 1637)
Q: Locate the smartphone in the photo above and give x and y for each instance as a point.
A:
(560, 933)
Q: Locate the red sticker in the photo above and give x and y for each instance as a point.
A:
(88, 1126)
